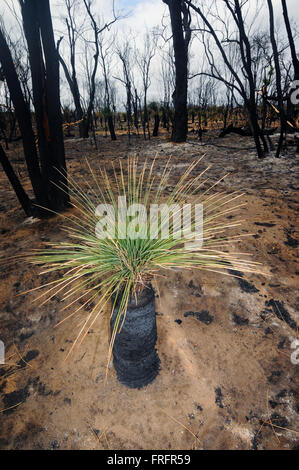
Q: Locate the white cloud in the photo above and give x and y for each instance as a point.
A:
(146, 14)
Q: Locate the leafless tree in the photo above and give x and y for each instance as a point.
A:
(44, 68)
(124, 53)
(144, 58)
(181, 34)
(73, 32)
(105, 59)
(246, 86)
(168, 80)
(278, 78)
(91, 41)
(290, 34)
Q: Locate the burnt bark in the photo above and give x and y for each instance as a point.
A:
(15, 182)
(245, 132)
(291, 112)
(111, 127)
(44, 66)
(180, 22)
(295, 59)
(135, 358)
(235, 8)
(156, 125)
(74, 88)
(278, 79)
(23, 115)
(250, 103)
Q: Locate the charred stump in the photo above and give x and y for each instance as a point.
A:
(135, 358)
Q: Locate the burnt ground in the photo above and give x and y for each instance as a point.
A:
(224, 342)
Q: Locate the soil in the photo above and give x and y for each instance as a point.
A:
(225, 343)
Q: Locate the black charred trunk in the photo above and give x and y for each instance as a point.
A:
(135, 358)
(295, 59)
(44, 67)
(156, 125)
(23, 116)
(180, 46)
(245, 131)
(15, 182)
(111, 127)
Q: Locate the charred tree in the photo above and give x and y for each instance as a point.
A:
(124, 56)
(37, 23)
(278, 79)
(246, 90)
(15, 182)
(73, 84)
(295, 59)
(181, 33)
(71, 75)
(24, 120)
(107, 107)
(156, 124)
(144, 60)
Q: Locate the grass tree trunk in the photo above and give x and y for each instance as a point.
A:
(135, 358)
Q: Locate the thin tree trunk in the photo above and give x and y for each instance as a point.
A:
(278, 79)
(15, 182)
(73, 84)
(156, 125)
(180, 121)
(111, 127)
(295, 59)
(24, 120)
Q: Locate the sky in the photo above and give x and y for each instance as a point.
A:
(146, 14)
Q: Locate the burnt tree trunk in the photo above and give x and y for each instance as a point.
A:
(74, 88)
(15, 182)
(295, 59)
(179, 16)
(291, 108)
(250, 102)
(278, 79)
(135, 358)
(156, 125)
(23, 115)
(111, 127)
(44, 66)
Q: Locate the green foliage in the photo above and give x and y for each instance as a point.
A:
(95, 269)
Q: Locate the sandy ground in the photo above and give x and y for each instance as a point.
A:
(224, 343)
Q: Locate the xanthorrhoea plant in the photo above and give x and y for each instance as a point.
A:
(115, 267)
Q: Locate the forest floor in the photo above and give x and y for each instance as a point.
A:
(225, 343)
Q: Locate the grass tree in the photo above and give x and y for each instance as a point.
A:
(114, 252)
